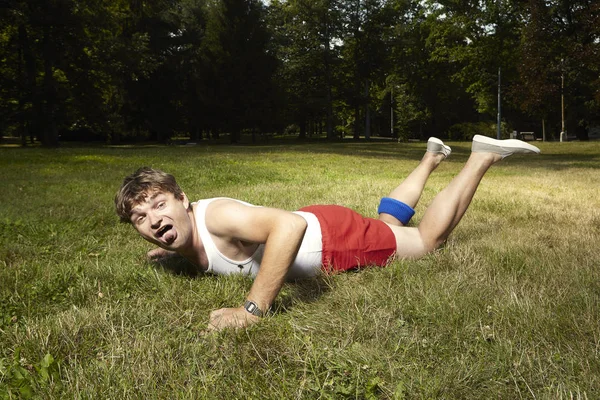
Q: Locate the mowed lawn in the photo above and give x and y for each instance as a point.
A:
(508, 308)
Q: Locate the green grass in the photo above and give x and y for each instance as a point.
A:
(509, 308)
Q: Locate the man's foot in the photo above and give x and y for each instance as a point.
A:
(508, 147)
(435, 145)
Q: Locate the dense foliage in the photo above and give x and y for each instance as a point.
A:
(153, 69)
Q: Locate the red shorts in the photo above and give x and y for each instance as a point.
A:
(351, 240)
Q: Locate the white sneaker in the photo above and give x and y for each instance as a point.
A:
(435, 145)
(508, 147)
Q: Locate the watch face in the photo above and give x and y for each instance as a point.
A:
(252, 308)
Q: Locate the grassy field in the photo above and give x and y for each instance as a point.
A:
(509, 308)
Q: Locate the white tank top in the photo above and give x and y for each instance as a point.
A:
(307, 262)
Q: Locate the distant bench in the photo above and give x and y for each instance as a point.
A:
(527, 136)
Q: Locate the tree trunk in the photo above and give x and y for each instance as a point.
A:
(356, 122)
(115, 138)
(49, 133)
(302, 129)
(543, 130)
(21, 85)
(329, 110)
(367, 112)
(195, 134)
(234, 136)
(329, 83)
(29, 85)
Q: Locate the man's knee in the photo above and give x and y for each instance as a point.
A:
(397, 209)
(411, 244)
(431, 244)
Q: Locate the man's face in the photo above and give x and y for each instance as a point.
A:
(163, 220)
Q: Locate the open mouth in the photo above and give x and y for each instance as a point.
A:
(167, 234)
(163, 230)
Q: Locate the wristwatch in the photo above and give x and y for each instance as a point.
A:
(252, 308)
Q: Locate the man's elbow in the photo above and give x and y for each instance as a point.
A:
(296, 225)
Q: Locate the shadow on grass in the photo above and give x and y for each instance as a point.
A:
(582, 156)
(177, 265)
(560, 162)
(307, 290)
(554, 156)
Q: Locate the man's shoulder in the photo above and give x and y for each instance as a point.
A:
(222, 200)
(219, 203)
(206, 207)
(222, 214)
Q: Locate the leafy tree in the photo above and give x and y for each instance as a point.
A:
(424, 67)
(35, 30)
(537, 89)
(559, 41)
(241, 68)
(307, 33)
(112, 69)
(366, 24)
(71, 58)
(579, 27)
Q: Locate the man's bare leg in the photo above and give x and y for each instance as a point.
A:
(446, 210)
(410, 190)
(449, 206)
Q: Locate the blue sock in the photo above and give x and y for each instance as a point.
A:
(402, 211)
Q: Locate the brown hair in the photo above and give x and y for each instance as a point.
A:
(137, 186)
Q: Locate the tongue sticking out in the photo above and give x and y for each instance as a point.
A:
(169, 236)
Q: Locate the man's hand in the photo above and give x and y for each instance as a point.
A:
(159, 253)
(231, 318)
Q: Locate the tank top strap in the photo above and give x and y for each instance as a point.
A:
(218, 263)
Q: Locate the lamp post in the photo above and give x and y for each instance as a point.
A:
(499, 107)
(563, 134)
(392, 111)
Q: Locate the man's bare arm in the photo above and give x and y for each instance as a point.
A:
(282, 233)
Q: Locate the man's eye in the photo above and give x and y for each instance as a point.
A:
(140, 220)
(161, 205)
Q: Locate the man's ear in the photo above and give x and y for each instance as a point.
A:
(185, 200)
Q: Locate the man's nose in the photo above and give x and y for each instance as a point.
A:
(155, 221)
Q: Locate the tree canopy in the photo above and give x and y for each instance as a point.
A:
(123, 70)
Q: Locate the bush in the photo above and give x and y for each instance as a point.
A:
(291, 130)
(466, 130)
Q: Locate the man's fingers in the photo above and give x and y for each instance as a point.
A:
(227, 318)
(230, 318)
(214, 322)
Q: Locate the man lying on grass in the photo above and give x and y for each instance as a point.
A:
(225, 236)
